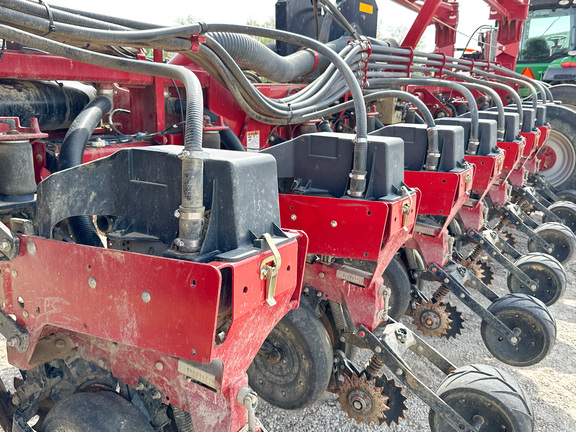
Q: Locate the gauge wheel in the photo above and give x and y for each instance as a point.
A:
(546, 271)
(530, 319)
(566, 211)
(396, 278)
(102, 411)
(486, 398)
(560, 237)
(293, 367)
(567, 195)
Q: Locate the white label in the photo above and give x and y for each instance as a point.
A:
(253, 141)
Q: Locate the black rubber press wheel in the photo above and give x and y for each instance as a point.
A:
(546, 271)
(566, 211)
(294, 365)
(560, 237)
(531, 320)
(486, 398)
(102, 411)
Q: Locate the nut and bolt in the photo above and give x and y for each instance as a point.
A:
(31, 248)
(60, 343)
(5, 246)
(13, 342)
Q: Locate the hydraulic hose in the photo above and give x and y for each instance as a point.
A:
(433, 152)
(544, 91)
(229, 138)
(474, 142)
(191, 219)
(71, 155)
(512, 80)
(358, 173)
(495, 97)
(75, 33)
(247, 51)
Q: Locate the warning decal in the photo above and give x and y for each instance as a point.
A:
(253, 140)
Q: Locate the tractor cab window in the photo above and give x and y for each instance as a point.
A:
(547, 34)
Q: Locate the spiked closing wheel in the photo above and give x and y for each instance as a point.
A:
(456, 325)
(362, 400)
(480, 269)
(431, 318)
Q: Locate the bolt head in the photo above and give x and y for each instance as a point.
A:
(16, 400)
(92, 282)
(293, 217)
(146, 297)
(377, 350)
(159, 365)
(31, 248)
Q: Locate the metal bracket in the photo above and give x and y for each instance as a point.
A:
(269, 269)
(495, 253)
(16, 336)
(408, 379)
(529, 196)
(544, 186)
(455, 281)
(517, 217)
(9, 244)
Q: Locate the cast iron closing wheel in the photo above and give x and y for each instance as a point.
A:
(566, 211)
(293, 367)
(102, 411)
(530, 319)
(558, 235)
(544, 270)
(486, 398)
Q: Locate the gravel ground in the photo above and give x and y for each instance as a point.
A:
(551, 384)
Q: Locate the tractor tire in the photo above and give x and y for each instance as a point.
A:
(544, 270)
(566, 93)
(535, 326)
(561, 170)
(483, 394)
(102, 411)
(300, 372)
(559, 236)
(566, 211)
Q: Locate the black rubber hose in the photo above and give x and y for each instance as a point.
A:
(71, 155)
(248, 52)
(228, 138)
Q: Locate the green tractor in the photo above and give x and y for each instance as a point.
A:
(547, 52)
